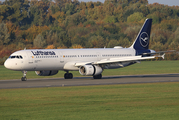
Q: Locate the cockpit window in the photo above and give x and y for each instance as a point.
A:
(13, 57)
(17, 56)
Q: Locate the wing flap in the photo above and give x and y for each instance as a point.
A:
(77, 64)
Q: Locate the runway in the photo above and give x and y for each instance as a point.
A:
(86, 81)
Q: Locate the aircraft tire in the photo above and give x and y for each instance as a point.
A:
(97, 76)
(23, 79)
(68, 75)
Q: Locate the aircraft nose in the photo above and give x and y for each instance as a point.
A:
(13, 64)
(7, 64)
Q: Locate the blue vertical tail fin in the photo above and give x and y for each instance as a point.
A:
(142, 39)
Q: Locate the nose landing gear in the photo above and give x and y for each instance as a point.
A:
(24, 76)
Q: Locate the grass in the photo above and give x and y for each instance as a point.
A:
(146, 67)
(107, 102)
(157, 101)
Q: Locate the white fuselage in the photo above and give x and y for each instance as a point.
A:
(57, 59)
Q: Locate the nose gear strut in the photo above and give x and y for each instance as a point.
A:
(24, 76)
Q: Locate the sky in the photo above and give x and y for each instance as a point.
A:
(166, 2)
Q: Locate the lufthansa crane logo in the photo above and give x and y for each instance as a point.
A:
(144, 39)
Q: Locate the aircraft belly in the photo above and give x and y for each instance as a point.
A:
(46, 64)
(70, 66)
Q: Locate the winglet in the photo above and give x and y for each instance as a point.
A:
(163, 56)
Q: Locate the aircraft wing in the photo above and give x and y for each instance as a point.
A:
(115, 60)
(123, 59)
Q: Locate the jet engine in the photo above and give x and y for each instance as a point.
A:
(46, 72)
(90, 70)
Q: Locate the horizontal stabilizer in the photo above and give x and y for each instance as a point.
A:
(160, 52)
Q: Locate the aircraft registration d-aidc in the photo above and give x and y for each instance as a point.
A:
(89, 62)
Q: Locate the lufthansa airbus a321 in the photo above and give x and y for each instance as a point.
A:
(89, 62)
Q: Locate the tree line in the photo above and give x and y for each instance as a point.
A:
(72, 24)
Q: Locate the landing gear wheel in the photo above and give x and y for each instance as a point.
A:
(23, 79)
(65, 76)
(97, 76)
(24, 76)
(68, 75)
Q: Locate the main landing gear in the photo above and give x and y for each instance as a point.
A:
(68, 75)
(97, 76)
(24, 76)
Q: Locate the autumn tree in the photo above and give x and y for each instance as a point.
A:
(96, 42)
(136, 17)
(71, 24)
(4, 34)
(39, 41)
(18, 11)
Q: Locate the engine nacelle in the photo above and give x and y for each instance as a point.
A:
(46, 72)
(90, 70)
